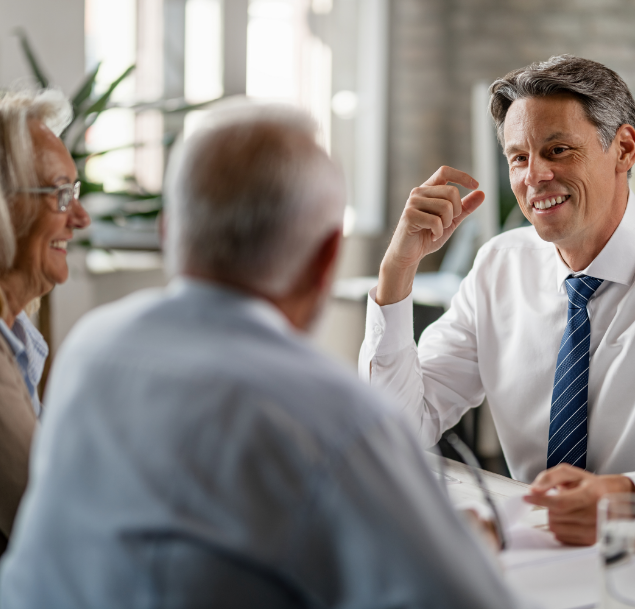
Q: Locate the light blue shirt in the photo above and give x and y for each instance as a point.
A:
(30, 350)
(197, 452)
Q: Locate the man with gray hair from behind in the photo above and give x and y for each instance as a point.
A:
(198, 452)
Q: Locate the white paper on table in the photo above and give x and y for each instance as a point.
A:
(540, 568)
(519, 520)
(558, 578)
(447, 480)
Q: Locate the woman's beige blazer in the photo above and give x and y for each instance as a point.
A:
(17, 423)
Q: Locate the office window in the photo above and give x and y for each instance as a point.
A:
(203, 50)
(203, 55)
(111, 38)
(287, 62)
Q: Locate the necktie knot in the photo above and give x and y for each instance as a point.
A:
(580, 289)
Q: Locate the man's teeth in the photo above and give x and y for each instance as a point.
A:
(547, 203)
(60, 245)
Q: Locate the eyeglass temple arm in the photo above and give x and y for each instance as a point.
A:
(474, 467)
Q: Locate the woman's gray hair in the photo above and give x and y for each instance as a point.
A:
(17, 169)
(251, 196)
(605, 97)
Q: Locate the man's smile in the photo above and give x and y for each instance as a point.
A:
(545, 202)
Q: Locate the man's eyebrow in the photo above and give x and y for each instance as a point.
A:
(558, 135)
(511, 149)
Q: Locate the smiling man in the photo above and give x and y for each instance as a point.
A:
(544, 324)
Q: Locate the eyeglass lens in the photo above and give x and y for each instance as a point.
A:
(66, 195)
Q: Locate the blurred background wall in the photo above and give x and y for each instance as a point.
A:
(398, 88)
(58, 29)
(440, 48)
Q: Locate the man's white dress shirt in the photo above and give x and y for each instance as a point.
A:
(500, 339)
(196, 452)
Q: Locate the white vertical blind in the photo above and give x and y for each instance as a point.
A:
(370, 128)
(111, 38)
(149, 157)
(485, 163)
(203, 50)
(286, 62)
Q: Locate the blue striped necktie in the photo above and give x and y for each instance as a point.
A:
(568, 423)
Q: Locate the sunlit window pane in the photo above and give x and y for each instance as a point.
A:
(111, 40)
(286, 62)
(203, 48)
(272, 52)
(113, 129)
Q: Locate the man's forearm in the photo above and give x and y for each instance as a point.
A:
(395, 284)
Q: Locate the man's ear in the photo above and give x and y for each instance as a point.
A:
(301, 304)
(323, 264)
(625, 138)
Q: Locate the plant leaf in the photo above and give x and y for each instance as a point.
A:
(39, 74)
(186, 107)
(167, 106)
(94, 110)
(84, 91)
(82, 94)
(88, 186)
(85, 155)
(100, 104)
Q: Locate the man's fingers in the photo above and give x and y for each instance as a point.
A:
(563, 502)
(586, 517)
(472, 201)
(445, 174)
(559, 475)
(451, 194)
(573, 534)
(436, 207)
(419, 220)
(469, 204)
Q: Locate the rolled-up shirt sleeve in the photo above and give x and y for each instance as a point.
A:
(436, 383)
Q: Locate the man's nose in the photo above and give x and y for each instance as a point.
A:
(538, 170)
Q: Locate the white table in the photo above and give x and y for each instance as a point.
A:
(557, 577)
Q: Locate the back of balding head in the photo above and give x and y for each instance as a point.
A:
(251, 196)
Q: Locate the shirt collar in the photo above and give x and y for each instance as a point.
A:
(14, 342)
(34, 345)
(616, 261)
(253, 306)
(30, 350)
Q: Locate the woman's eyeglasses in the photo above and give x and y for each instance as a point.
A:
(66, 193)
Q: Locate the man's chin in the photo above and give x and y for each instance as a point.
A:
(551, 234)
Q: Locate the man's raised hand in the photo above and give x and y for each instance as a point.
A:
(432, 213)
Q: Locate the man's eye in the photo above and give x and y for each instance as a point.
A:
(520, 158)
(558, 150)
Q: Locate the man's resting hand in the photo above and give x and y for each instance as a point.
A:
(573, 501)
(432, 213)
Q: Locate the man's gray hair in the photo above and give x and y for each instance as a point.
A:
(17, 168)
(251, 196)
(606, 100)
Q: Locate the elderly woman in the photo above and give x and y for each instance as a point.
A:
(38, 212)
